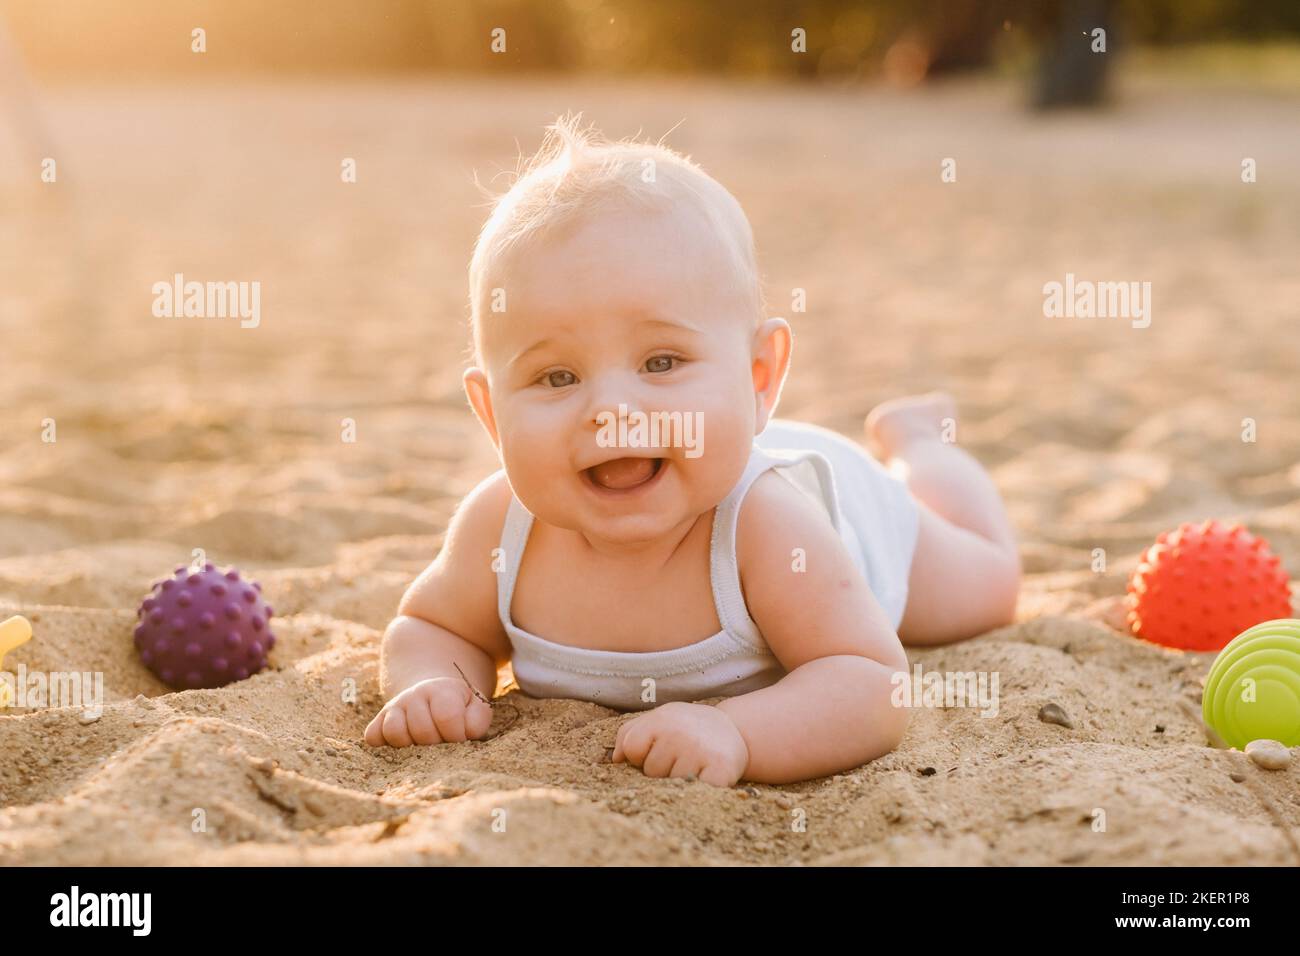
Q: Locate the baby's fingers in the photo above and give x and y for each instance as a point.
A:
(716, 775)
(478, 717)
(632, 742)
(449, 714)
(620, 744)
(375, 729)
(374, 735)
(687, 767)
(394, 727)
(659, 761)
(419, 723)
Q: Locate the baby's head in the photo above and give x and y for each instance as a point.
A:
(622, 362)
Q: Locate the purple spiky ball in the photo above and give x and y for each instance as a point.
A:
(204, 628)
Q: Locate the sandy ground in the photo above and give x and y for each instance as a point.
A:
(182, 434)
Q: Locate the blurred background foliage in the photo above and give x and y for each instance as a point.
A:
(905, 41)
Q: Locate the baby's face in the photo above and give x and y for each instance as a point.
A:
(628, 308)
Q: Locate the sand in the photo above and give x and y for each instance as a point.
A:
(176, 434)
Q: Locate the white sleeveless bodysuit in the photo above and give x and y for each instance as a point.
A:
(873, 512)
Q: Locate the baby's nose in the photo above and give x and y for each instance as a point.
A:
(612, 414)
(611, 401)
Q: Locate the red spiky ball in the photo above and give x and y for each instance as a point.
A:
(1200, 586)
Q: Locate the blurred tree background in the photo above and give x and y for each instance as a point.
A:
(904, 41)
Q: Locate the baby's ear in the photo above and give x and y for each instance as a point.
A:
(480, 399)
(772, 344)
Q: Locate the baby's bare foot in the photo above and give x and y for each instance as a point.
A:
(893, 424)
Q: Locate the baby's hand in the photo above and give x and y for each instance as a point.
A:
(684, 740)
(434, 711)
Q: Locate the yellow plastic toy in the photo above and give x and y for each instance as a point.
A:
(13, 633)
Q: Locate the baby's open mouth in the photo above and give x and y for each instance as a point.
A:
(622, 474)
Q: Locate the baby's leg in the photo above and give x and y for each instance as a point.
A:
(965, 575)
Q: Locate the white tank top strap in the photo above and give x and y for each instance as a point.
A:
(724, 567)
(514, 535)
(810, 471)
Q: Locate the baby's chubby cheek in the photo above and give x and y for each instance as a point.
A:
(536, 460)
(723, 439)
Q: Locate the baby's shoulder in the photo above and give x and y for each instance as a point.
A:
(481, 514)
(800, 583)
(776, 516)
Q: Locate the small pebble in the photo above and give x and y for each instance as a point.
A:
(1055, 714)
(1237, 777)
(264, 765)
(1269, 754)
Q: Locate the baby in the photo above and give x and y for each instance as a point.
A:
(655, 537)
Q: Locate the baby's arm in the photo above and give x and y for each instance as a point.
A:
(832, 710)
(447, 617)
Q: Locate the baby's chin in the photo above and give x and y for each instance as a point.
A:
(630, 531)
(627, 528)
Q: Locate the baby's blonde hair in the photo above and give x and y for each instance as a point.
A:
(576, 173)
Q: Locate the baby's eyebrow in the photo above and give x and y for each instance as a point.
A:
(676, 324)
(535, 347)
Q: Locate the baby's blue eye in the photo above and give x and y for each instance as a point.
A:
(660, 363)
(560, 378)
